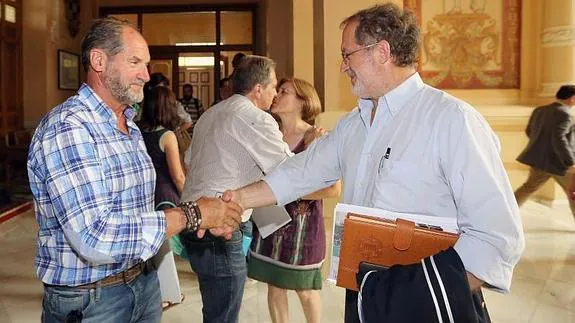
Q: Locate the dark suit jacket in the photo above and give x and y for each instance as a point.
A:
(551, 139)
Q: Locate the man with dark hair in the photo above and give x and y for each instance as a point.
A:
(236, 142)
(192, 105)
(225, 90)
(93, 185)
(550, 152)
(409, 148)
(237, 59)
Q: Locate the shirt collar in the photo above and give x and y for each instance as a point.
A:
(95, 103)
(394, 100)
(245, 100)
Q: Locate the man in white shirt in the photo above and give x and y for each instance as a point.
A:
(409, 148)
(235, 143)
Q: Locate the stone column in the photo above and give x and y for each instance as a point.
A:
(557, 46)
(556, 67)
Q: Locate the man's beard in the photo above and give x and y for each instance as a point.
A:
(358, 88)
(123, 93)
(361, 87)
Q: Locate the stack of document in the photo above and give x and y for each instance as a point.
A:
(341, 210)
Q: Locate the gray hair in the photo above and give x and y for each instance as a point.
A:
(253, 70)
(105, 34)
(388, 22)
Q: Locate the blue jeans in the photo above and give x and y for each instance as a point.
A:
(221, 269)
(137, 301)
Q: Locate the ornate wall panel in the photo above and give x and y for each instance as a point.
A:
(469, 44)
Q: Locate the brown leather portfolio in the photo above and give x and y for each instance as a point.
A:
(386, 243)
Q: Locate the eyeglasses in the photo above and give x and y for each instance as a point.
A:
(345, 56)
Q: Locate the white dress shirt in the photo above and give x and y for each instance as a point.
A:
(427, 153)
(234, 144)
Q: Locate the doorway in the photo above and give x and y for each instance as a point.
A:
(194, 44)
(197, 70)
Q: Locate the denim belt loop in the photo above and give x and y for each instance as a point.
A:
(98, 290)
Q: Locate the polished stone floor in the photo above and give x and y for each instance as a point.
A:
(543, 285)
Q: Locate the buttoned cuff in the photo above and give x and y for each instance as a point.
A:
(153, 233)
(485, 262)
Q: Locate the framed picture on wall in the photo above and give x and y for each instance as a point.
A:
(68, 70)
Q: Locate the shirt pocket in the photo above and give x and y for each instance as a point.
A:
(404, 185)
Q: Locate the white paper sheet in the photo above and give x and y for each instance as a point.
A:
(269, 219)
(341, 210)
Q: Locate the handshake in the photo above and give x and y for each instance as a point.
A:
(222, 216)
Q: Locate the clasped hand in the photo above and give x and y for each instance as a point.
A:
(221, 216)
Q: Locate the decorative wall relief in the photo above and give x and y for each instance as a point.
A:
(469, 44)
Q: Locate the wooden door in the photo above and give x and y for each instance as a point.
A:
(10, 66)
(163, 66)
(167, 64)
(202, 81)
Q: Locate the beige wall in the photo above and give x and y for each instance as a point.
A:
(303, 46)
(279, 36)
(44, 32)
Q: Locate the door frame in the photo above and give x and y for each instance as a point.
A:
(171, 51)
(11, 85)
(174, 58)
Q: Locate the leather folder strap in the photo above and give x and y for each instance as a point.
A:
(403, 235)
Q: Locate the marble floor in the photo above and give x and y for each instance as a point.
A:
(543, 285)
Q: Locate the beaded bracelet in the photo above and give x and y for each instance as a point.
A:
(193, 215)
(198, 213)
(187, 214)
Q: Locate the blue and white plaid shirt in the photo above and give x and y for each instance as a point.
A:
(93, 192)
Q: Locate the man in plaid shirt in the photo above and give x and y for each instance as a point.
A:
(93, 184)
